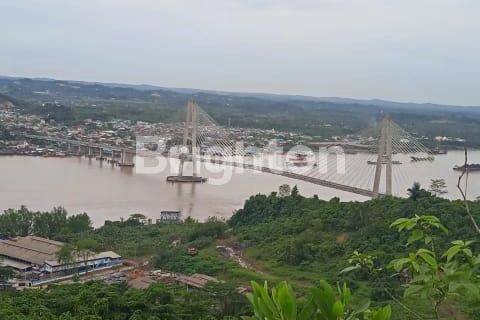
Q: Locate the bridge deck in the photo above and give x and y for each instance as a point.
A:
(317, 181)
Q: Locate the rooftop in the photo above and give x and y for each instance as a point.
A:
(31, 249)
(21, 251)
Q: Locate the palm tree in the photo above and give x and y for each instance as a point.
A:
(415, 191)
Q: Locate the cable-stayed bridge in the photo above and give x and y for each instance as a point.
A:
(382, 167)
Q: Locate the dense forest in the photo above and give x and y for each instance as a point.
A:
(417, 258)
(313, 116)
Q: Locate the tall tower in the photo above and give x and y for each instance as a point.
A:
(190, 138)
(384, 157)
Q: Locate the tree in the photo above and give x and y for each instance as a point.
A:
(438, 187)
(49, 224)
(463, 192)
(421, 228)
(5, 273)
(416, 192)
(361, 263)
(79, 223)
(229, 301)
(295, 192)
(284, 190)
(432, 278)
(137, 217)
(15, 223)
(84, 248)
(66, 255)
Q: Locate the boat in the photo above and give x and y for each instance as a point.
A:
(186, 179)
(439, 151)
(470, 167)
(299, 160)
(384, 162)
(415, 159)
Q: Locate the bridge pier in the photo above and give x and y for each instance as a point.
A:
(100, 154)
(126, 159)
(90, 152)
(78, 152)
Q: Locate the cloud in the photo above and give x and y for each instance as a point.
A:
(403, 50)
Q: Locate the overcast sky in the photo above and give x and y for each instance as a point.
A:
(406, 50)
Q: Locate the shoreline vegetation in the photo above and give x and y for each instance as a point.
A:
(390, 251)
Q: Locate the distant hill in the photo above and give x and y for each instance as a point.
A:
(270, 96)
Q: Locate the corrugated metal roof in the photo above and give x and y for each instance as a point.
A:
(30, 249)
(5, 262)
(36, 250)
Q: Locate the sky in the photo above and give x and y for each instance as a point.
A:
(408, 50)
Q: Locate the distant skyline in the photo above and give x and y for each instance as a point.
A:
(411, 51)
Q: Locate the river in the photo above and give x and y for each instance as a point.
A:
(107, 192)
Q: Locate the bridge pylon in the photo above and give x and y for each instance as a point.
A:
(190, 135)
(384, 157)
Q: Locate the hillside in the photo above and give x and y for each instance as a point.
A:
(301, 240)
(322, 117)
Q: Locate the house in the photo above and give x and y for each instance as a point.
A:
(170, 217)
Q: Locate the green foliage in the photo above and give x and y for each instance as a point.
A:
(96, 300)
(434, 279)
(6, 273)
(438, 187)
(361, 263)
(422, 228)
(416, 192)
(322, 303)
(304, 239)
(53, 224)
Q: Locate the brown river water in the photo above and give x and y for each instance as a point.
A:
(107, 192)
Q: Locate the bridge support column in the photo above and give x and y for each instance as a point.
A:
(384, 157)
(194, 120)
(190, 144)
(126, 159)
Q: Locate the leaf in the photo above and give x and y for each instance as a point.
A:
(383, 314)
(428, 239)
(323, 297)
(399, 263)
(428, 258)
(350, 269)
(415, 236)
(337, 309)
(452, 252)
(468, 252)
(363, 308)
(399, 221)
(307, 311)
(412, 290)
(286, 301)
